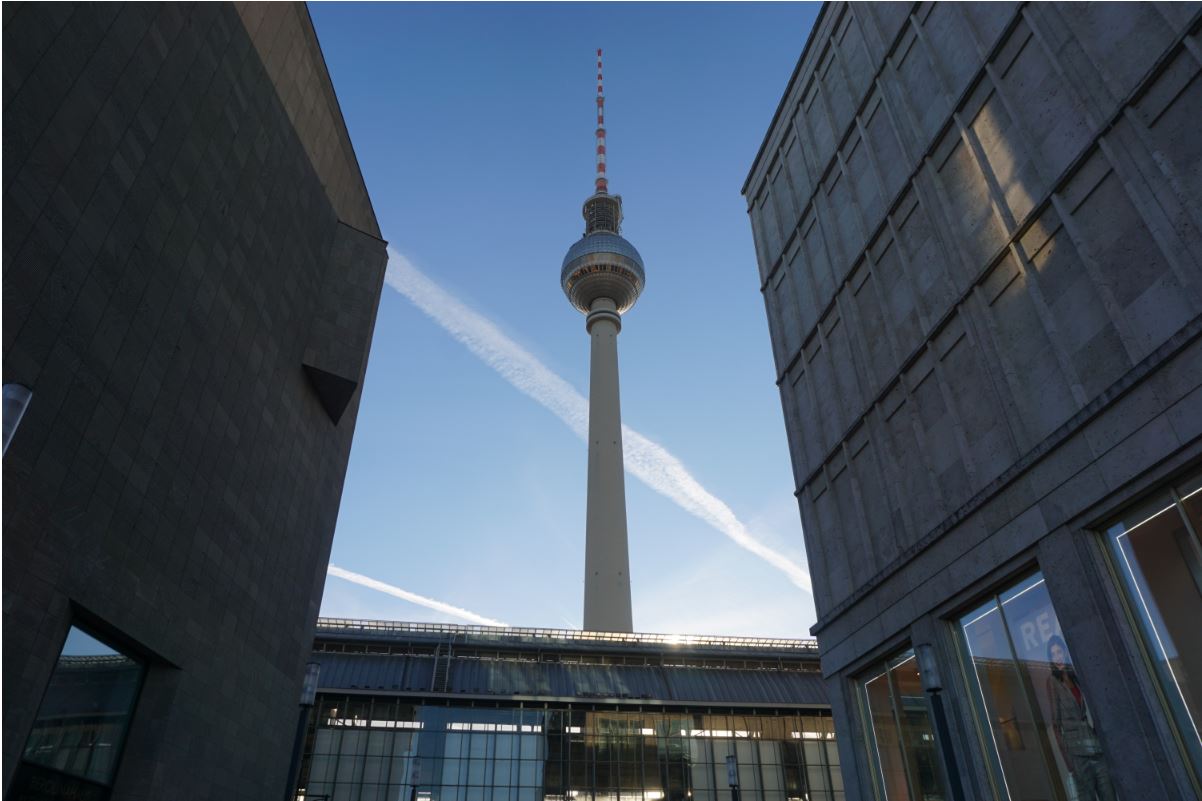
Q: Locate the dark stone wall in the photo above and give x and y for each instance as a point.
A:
(181, 207)
(978, 234)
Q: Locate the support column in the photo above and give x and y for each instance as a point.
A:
(606, 557)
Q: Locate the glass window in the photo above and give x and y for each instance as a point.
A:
(609, 757)
(83, 718)
(1159, 556)
(1033, 705)
(900, 736)
(16, 401)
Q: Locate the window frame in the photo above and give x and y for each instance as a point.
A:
(1149, 506)
(119, 644)
(889, 662)
(999, 592)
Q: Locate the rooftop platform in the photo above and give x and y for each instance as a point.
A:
(565, 665)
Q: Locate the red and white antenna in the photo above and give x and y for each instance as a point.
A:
(602, 184)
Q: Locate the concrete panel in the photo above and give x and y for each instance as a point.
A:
(916, 78)
(1119, 40)
(946, 33)
(1042, 393)
(883, 141)
(866, 185)
(969, 205)
(1145, 289)
(876, 339)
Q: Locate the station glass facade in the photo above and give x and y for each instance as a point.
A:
(364, 748)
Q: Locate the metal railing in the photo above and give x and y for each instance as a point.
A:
(94, 660)
(326, 625)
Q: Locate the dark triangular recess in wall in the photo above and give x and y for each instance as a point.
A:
(333, 391)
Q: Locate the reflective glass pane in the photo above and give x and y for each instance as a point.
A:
(467, 754)
(832, 754)
(900, 733)
(375, 769)
(351, 756)
(918, 738)
(816, 777)
(1012, 728)
(379, 743)
(1160, 561)
(884, 737)
(322, 768)
(531, 774)
(81, 723)
(1039, 722)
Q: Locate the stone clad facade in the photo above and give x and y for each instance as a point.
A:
(192, 268)
(977, 229)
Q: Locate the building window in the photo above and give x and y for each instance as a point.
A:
(76, 740)
(1159, 556)
(1034, 708)
(16, 401)
(900, 739)
(362, 747)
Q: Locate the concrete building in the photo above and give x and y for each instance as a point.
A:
(602, 276)
(978, 237)
(428, 712)
(192, 268)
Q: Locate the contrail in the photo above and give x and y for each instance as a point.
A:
(645, 460)
(412, 597)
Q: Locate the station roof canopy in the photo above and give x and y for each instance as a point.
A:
(566, 665)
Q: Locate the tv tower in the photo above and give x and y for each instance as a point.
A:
(603, 277)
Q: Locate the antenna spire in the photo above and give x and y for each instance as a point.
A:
(602, 183)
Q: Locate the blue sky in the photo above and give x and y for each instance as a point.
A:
(473, 126)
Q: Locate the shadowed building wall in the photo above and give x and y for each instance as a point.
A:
(977, 228)
(192, 268)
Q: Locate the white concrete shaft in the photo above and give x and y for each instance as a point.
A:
(606, 557)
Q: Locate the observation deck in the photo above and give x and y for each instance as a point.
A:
(602, 264)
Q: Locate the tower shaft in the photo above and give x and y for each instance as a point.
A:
(606, 558)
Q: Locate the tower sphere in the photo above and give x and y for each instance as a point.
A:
(602, 264)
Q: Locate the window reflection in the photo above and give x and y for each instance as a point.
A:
(362, 747)
(82, 720)
(900, 733)
(1039, 723)
(1159, 556)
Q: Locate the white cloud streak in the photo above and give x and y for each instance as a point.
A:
(646, 460)
(412, 597)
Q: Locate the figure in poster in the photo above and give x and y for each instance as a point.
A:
(1075, 735)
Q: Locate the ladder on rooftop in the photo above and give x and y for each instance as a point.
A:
(442, 668)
